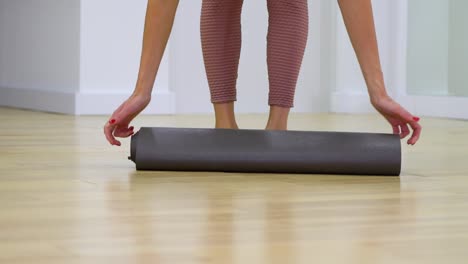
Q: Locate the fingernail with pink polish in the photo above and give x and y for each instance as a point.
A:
(112, 121)
(416, 118)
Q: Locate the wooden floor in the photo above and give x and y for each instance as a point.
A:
(68, 197)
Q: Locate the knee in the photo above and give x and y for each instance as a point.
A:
(296, 8)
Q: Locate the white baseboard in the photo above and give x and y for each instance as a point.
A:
(48, 101)
(432, 106)
(80, 103)
(437, 106)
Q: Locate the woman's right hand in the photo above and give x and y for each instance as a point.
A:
(118, 124)
(399, 118)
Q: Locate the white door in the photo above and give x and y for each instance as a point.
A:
(436, 52)
(424, 51)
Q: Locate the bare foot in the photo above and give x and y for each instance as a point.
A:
(226, 126)
(271, 127)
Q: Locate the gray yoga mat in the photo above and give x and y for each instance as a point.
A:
(224, 150)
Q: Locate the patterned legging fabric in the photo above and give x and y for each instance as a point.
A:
(286, 42)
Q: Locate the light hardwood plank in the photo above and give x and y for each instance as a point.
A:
(68, 197)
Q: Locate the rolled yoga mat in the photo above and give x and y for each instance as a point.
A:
(225, 150)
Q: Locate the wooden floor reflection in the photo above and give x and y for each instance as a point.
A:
(67, 197)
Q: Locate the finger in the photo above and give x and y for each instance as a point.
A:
(108, 131)
(123, 132)
(413, 122)
(396, 129)
(416, 132)
(123, 116)
(409, 118)
(404, 130)
(406, 116)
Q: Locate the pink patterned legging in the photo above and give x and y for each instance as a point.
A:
(221, 42)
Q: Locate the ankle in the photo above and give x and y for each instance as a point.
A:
(225, 117)
(278, 119)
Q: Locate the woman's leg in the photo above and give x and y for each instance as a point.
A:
(221, 43)
(287, 39)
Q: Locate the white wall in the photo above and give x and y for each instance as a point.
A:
(111, 42)
(111, 32)
(82, 56)
(110, 46)
(41, 40)
(188, 78)
(396, 29)
(427, 99)
(438, 28)
(3, 22)
(428, 38)
(76, 57)
(313, 90)
(349, 76)
(349, 90)
(39, 51)
(458, 48)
